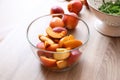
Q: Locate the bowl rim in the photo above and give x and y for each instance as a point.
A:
(90, 5)
(27, 32)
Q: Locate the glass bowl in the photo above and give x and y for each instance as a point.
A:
(106, 24)
(54, 55)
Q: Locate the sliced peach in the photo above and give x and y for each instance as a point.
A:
(66, 38)
(48, 55)
(72, 43)
(46, 39)
(48, 62)
(53, 34)
(74, 57)
(61, 56)
(59, 29)
(40, 53)
(41, 45)
(61, 64)
(56, 22)
(52, 47)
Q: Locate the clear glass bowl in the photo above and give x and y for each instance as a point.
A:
(62, 59)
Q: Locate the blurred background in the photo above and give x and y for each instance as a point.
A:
(19, 13)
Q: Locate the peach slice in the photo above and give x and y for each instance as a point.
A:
(61, 64)
(61, 56)
(66, 38)
(48, 62)
(52, 47)
(74, 57)
(40, 53)
(40, 45)
(46, 39)
(59, 29)
(53, 34)
(56, 22)
(72, 43)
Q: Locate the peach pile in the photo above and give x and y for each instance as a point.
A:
(58, 48)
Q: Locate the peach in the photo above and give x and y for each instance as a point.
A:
(48, 55)
(61, 64)
(74, 57)
(56, 22)
(56, 40)
(85, 3)
(53, 34)
(52, 47)
(48, 62)
(66, 38)
(72, 43)
(40, 53)
(46, 39)
(59, 29)
(70, 20)
(61, 56)
(56, 10)
(41, 45)
(75, 6)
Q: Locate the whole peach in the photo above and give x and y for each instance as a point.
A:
(56, 22)
(56, 10)
(74, 6)
(70, 20)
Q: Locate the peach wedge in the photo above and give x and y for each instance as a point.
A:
(53, 34)
(72, 43)
(61, 56)
(48, 62)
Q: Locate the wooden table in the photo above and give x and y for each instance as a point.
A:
(100, 61)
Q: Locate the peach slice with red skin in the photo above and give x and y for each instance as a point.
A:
(52, 47)
(59, 29)
(74, 57)
(41, 45)
(48, 62)
(70, 20)
(53, 34)
(40, 53)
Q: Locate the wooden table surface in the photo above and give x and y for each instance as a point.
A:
(99, 61)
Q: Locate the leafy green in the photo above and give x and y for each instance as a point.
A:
(112, 8)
